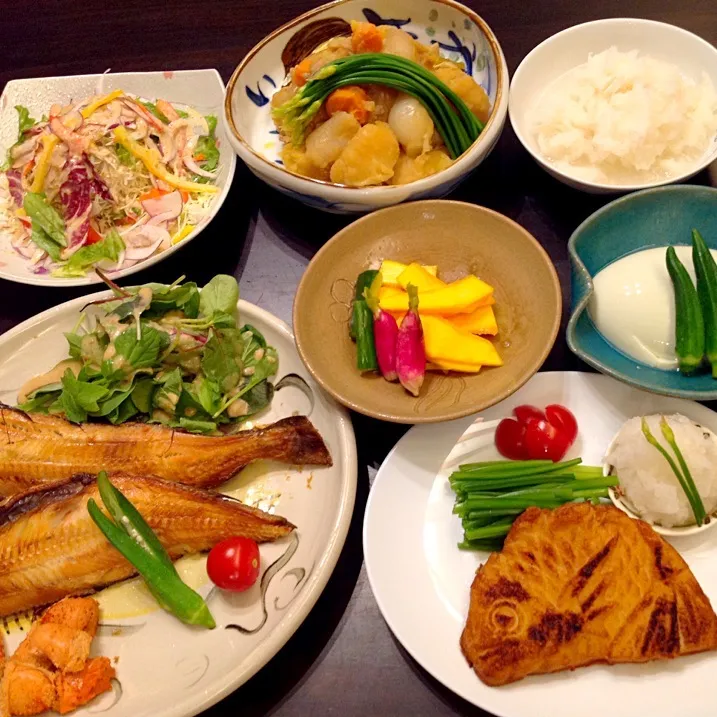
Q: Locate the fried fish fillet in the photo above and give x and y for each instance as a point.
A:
(50, 547)
(578, 585)
(35, 448)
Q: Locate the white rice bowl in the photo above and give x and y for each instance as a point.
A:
(647, 484)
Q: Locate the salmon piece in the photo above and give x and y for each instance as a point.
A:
(52, 548)
(579, 585)
(37, 448)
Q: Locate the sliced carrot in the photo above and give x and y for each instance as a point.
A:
(156, 193)
(301, 72)
(366, 37)
(351, 99)
(200, 157)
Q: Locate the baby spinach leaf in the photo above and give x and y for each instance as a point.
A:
(219, 295)
(258, 397)
(75, 344)
(142, 394)
(166, 396)
(114, 400)
(195, 426)
(123, 412)
(143, 351)
(85, 395)
(219, 363)
(209, 396)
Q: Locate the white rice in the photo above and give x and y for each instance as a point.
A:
(623, 118)
(649, 486)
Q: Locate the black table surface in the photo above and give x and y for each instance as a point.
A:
(343, 659)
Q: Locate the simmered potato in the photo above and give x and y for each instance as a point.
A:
(411, 169)
(465, 87)
(369, 158)
(295, 160)
(327, 141)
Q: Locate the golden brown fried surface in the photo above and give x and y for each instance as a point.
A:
(51, 547)
(37, 448)
(578, 585)
(52, 667)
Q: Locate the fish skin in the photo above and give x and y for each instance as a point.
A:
(50, 547)
(37, 448)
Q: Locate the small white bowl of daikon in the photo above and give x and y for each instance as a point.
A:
(618, 105)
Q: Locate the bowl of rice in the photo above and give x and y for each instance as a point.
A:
(649, 489)
(618, 105)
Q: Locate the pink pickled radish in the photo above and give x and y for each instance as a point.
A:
(410, 348)
(385, 332)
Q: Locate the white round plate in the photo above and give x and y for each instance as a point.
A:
(201, 89)
(421, 580)
(165, 668)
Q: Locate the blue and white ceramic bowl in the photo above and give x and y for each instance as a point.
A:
(461, 35)
(650, 218)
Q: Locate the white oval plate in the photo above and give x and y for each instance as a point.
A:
(421, 580)
(165, 668)
(200, 89)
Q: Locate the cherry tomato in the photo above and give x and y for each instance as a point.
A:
(233, 564)
(510, 440)
(534, 434)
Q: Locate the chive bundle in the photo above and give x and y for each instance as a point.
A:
(683, 476)
(457, 125)
(492, 494)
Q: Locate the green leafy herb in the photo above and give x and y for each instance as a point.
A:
(82, 260)
(75, 342)
(197, 426)
(45, 217)
(24, 121)
(142, 394)
(219, 295)
(219, 362)
(140, 351)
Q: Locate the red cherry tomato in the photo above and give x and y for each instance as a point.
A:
(233, 564)
(510, 440)
(93, 236)
(534, 434)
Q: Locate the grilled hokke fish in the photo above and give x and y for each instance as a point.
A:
(50, 547)
(35, 448)
(578, 585)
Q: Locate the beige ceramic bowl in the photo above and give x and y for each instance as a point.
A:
(461, 239)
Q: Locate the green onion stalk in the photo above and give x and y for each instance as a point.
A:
(455, 122)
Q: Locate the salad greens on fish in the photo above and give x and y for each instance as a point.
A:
(106, 182)
(172, 354)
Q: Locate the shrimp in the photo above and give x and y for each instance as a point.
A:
(52, 669)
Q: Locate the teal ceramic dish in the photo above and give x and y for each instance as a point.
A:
(651, 218)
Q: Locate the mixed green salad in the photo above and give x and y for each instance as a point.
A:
(172, 354)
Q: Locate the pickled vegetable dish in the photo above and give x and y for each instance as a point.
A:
(376, 108)
(108, 181)
(405, 320)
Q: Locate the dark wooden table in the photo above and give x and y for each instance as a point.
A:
(343, 659)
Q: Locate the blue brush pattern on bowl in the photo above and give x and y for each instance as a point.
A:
(461, 36)
(651, 218)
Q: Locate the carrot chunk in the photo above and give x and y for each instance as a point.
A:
(351, 99)
(366, 37)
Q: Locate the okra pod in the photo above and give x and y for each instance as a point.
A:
(706, 270)
(689, 324)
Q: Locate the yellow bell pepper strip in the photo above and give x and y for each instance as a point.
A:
(423, 280)
(150, 159)
(457, 297)
(445, 343)
(42, 166)
(480, 321)
(391, 270)
(182, 234)
(94, 106)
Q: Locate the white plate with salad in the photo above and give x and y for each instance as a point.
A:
(165, 668)
(422, 580)
(114, 171)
